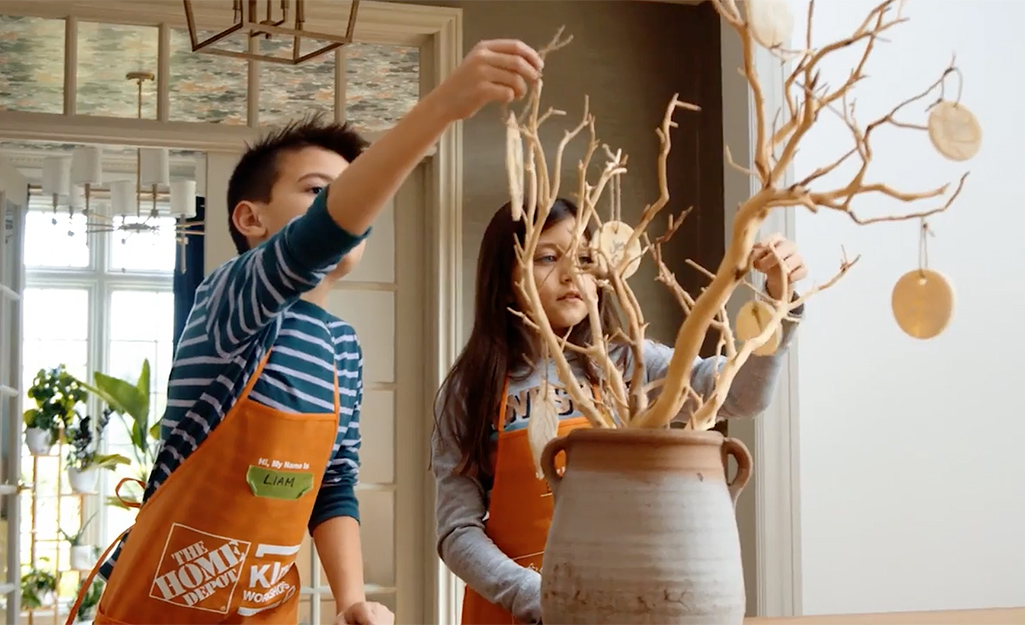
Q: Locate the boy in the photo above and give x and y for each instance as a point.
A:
(261, 434)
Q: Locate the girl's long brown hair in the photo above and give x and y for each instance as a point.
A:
(499, 342)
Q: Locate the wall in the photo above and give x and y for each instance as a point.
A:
(910, 450)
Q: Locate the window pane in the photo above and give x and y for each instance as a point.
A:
(106, 53)
(144, 251)
(53, 245)
(56, 323)
(291, 91)
(382, 84)
(206, 87)
(141, 325)
(32, 71)
(141, 316)
(55, 331)
(56, 314)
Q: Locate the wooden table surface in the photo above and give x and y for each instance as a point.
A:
(997, 616)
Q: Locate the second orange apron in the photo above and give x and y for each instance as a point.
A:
(519, 512)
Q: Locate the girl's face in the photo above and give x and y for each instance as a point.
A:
(564, 304)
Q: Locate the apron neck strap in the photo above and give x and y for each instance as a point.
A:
(263, 363)
(256, 376)
(502, 407)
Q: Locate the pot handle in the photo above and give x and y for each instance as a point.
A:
(733, 447)
(551, 450)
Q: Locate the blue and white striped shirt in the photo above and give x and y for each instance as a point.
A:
(244, 308)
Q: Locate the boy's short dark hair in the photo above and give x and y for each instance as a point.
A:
(257, 171)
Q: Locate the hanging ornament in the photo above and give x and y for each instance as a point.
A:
(514, 165)
(752, 319)
(543, 424)
(955, 132)
(923, 300)
(770, 22)
(611, 240)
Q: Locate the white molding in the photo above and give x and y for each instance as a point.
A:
(775, 432)
(445, 187)
(204, 137)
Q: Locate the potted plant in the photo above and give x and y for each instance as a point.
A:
(38, 588)
(84, 462)
(56, 394)
(83, 556)
(130, 400)
(649, 494)
(87, 609)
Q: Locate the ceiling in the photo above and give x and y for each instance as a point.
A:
(382, 82)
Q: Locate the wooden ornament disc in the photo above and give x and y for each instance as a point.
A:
(770, 21)
(514, 165)
(611, 240)
(954, 130)
(752, 318)
(543, 425)
(923, 303)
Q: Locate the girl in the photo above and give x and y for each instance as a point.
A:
(492, 511)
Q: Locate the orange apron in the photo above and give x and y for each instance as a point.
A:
(217, 541)
(519, 513)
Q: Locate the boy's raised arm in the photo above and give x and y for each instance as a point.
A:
(248, 293)
(493, 71)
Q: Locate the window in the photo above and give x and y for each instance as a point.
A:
(94, 302)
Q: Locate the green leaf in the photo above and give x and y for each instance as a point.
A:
(114, 501)
(30, 416)
(129, 399)
(107, 399)
(154, 432)
(142, 384)
(122, 396)
(110, 461)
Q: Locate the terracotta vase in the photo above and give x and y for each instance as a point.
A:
(644, 529)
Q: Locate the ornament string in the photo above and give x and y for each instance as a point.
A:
(953, 69)
(923, 248)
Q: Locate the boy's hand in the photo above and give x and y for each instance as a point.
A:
(500, 70)
(366, 613)
(767, 255)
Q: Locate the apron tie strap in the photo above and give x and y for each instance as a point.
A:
(88, 582)
(125, 502)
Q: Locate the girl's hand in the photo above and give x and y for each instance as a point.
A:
(499, 70)
(768, 255)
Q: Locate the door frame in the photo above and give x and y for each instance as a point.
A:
(438, 32)
(13, 190)
(773, 535)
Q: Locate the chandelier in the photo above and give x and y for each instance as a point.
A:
(76, 182)
(246, 21)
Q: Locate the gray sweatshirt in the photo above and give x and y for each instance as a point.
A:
(462, 502)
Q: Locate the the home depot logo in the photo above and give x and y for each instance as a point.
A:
(199, 570)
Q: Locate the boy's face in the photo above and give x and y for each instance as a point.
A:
(302, 174)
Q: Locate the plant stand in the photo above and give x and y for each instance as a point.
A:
(44, 543)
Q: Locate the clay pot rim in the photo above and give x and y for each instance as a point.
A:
(646, 436)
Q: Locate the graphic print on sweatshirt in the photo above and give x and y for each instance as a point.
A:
(522, 398)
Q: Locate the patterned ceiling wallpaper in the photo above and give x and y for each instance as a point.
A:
(382, 82)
